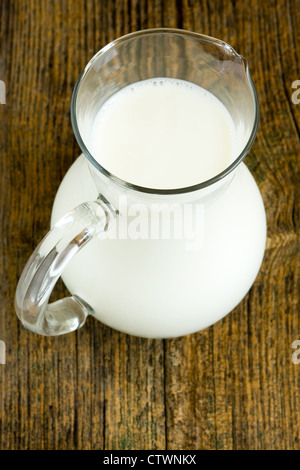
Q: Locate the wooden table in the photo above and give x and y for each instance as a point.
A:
(232, 386)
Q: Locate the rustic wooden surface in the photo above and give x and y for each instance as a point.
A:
(232, 386)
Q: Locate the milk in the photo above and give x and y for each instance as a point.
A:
(163, 133)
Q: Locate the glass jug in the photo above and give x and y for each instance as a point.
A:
(145, 283)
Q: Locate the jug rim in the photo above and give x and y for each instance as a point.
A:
(172, 191)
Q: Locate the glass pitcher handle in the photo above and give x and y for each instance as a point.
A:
(73, 231)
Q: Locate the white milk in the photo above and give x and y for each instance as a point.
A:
(158, 288)
(163, 133)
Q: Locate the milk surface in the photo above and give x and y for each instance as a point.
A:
(163, 133)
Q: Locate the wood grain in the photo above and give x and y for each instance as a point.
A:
(232, 386)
